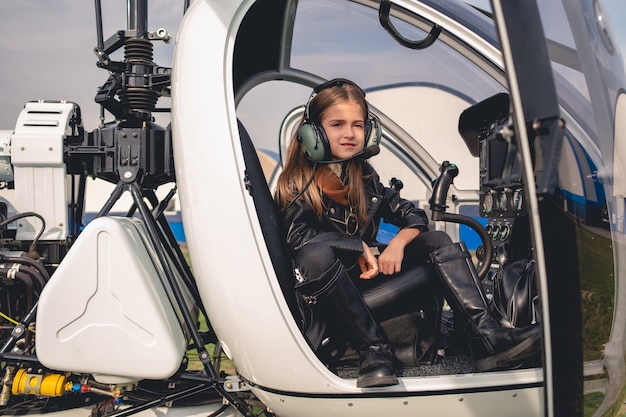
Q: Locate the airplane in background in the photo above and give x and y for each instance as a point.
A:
(511, 141)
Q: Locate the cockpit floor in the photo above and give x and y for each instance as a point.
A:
(448, 365)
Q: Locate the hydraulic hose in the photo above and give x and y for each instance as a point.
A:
(29, 262)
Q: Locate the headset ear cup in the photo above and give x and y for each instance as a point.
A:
(373, 131)
(313, 142)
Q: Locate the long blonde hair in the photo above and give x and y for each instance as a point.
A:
(297, 178)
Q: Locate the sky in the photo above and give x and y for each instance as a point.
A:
(46, 49)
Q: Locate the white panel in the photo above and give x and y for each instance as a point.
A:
(37, 156)
(105, 311)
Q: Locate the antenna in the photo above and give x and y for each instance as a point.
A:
(99, 35)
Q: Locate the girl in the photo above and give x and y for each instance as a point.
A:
(332, 202)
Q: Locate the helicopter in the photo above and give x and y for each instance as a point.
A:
(512, 142)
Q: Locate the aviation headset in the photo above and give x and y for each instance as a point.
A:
(313, 137)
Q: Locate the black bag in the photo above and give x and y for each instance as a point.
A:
(514, 293)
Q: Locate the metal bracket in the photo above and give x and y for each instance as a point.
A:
(234, 384)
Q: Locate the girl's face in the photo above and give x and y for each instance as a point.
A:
(345, 129)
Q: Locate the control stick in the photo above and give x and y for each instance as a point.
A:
(438, 213)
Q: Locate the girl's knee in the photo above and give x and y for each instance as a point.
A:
(439, 238)
(314, 259)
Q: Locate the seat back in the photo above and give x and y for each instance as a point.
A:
(269, 219)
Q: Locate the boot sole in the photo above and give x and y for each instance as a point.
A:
(380, 381)
(523, 350)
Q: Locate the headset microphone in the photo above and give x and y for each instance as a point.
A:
(370, 151)
(364, 154)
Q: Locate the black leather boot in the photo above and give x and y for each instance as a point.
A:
(375, 360)
(503, 346)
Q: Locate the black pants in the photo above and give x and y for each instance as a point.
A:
(316, 258)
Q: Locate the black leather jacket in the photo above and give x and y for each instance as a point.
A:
(302, 225)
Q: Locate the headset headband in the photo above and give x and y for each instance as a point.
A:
(335, 82)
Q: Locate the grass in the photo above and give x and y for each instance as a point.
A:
(195, 364)
(597, 283)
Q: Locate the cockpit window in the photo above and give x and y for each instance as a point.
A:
(441, 81)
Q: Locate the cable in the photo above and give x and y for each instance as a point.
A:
(30, 262)
(364, 154)
(23, 273)
(10, 220)
(308, 183)
(10, 320)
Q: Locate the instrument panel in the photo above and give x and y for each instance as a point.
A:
(502, 201)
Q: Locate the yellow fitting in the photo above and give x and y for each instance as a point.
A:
(49, 385)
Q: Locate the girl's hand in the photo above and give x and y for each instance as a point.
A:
(390, 260)
(368, 263)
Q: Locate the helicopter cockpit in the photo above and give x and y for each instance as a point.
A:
(422, 331)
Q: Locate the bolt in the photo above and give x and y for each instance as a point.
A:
(536, 124)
